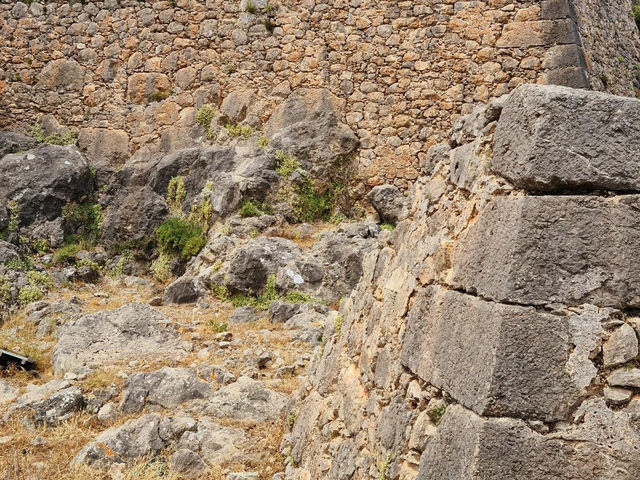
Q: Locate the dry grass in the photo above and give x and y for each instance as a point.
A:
(305, 240)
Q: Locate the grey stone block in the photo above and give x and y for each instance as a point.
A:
(496, 359)
(574, 77)
(471, 448)
(552, 138)
(541, 250)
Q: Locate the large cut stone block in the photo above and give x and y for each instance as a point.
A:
(541, 250)
(538, 33)
(468, 447)
(552, 138)
(496, 359)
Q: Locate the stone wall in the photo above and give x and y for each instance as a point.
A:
(130, 75)
(610, 44)
(494, 333)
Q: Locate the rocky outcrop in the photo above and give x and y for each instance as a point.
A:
(134, 331)
(37, 183)
(493, 333)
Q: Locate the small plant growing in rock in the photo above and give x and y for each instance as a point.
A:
(22, 264)
(204, 118)
(296, 296)
(287, 164)
(291, 419)
(636, 14)
(118, 269)
(221, 292)
(84, 220)
(14, 216)
(90, 264)
(161, 267)
(39, 279)
(269, 8)
(383, 467)
(29, 295)
(436, 414)
(387, 226)
(218, 327)
(5, 290)
(263, 143)
(176, 192)
(159, 95)
(238, 130)
(249, 209)
(337, 325)
(251, 8)
(40, 245)
(38, 135)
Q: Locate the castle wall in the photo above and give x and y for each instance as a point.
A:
(405, 70)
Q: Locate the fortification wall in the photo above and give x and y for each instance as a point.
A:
(405, 70)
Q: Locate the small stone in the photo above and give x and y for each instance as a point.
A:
(617, 396)
(188, 463)
(624, 377)
(107, 414)
(243, 476)
(621, 347)
(156, 302)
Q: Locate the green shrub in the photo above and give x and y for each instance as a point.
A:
(66, 253)
(85, 262)
(205, 116)
(311, 205)
(29, 294)
(179, 236)
(221, 292)
(263, 142)
(22, 264)
(337, 325)
(249, 209)
(39, 279)
(5, 290)
(296, 296)
(202, 213)
(84, 220)
(287, 164)
(636, 14)
(40, 245)
(387, 226)
(251, 8)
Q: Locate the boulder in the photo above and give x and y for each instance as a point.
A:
(58, 407)
(168, 388)
(250, 265)
(107, 148)
(8, 252)
(546, 249)
(13, 142)
(218, 444)
(184, 290)
(308, 126)
(552, 138)
(247, 399)
(135, 439)
(132, 332)
(42, 181)
(243, 315)
(62, 75)
(188, 463)
(389, 203)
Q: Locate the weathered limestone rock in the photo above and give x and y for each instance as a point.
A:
(135, 439)
(12, 142)
(540, 250)
(134, 331)
(624, 378)
(247, 399)
(107, 148)
(389, 203)
(167, 387)
(493, 358)
(500, 448)
(184, 290)
(621, 347)
(308, 126)
(41, 182)
(556, 138)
